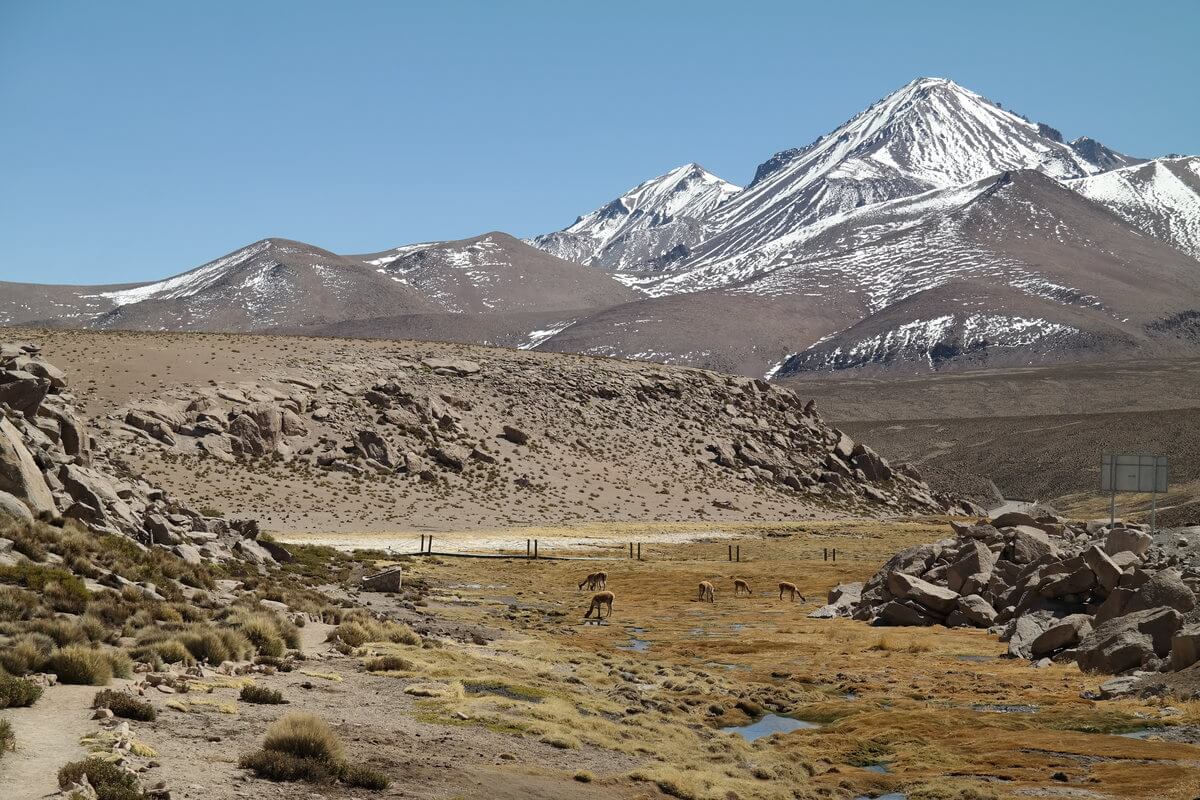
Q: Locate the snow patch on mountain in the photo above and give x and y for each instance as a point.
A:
(189, 283)
(655, 221)
(1160, 198)
(933, 340)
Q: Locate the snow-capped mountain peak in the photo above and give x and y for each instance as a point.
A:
(645, 224)
(931, 133)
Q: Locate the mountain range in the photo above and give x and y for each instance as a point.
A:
(936, 230)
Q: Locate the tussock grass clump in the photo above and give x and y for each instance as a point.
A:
(388, 664)
(301, 747)
(304, 736)
(109, 780)
(216, 645)
(583, 776)
(357, 632)
(261, 694)
(81, 665)
(363, 777)
(17, 693)
(276, 766)
(27, 654)
(124, 705)
(17, 604)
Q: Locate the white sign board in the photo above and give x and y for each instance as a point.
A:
(1133, 473)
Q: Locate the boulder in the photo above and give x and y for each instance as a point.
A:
(1030, 544)
(1013, 519)
(23, 395)
(19, 473)
(153, 426)
(451, 366)
(1076, 582)
(1067, 632)
(1129, 641)
(1114, 605)
(13, 510)
(903, 614)
(373, 446)
(933, 597)
(454, 458)
(1105, 569)
(42, 369)
(977, 611)
(1023, 632)
(1121, 540)
(388, 580)
(518, 436)
(976, 561)
(844, 447)
(292, 424)
(1164, 588)
(1185, 647)
(873, 465)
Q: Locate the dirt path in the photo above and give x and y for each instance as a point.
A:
(48, 734)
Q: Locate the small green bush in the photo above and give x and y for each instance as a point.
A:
(358, 632)
(17, 693)
(124, 705)
(62, 590)
(81, 665)
(261, 694)
(364, 777)
(110, 781)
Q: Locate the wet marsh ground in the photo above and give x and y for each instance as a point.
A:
(932, 713)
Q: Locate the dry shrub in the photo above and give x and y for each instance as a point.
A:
(124, 705)
(261, 694)
(8, 738)
(363, 777)
(276, 766)
(17, 693)
(18, 604)
(26, 654)
(110, 781)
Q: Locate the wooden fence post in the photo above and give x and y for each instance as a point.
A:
(631, 549)
(731, 552)
(739, 553)
(535, 549)
(639, 558)
(422, 543)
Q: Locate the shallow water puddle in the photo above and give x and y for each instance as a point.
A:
(976, 659)
(1144, 733)
(888, 796)
(881, 768)
(769, 724)
(637, 645)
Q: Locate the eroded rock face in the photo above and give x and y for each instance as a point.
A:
(1093, 592)
(49, 470)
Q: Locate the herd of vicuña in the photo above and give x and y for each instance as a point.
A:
(706, 592)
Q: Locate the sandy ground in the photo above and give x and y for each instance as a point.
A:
(48, 735)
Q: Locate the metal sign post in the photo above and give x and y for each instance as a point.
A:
(1134, 473)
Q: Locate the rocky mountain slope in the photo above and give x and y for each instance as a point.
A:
(1161, 198)
(496, 273)
(343, 435)
(649, 227)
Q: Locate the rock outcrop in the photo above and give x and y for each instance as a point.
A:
(1105, 596)
(51, 470)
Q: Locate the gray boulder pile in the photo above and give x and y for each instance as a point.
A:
(1110, 597)
(50, 469)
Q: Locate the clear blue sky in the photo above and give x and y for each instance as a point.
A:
(140, 139)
